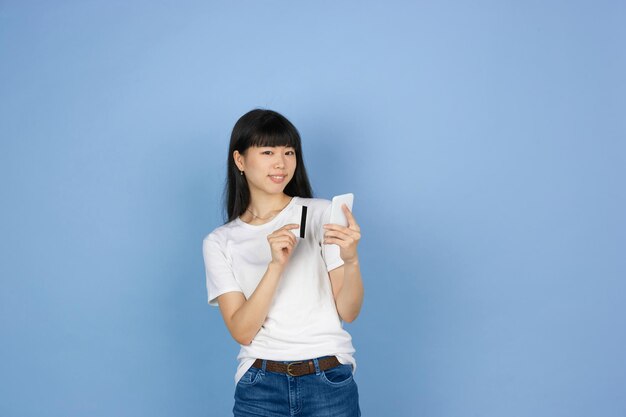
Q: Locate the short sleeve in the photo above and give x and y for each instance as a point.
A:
(330, 253)
(219, 274)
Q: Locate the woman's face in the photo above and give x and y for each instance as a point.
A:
(267, 168)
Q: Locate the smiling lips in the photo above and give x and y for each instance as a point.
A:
(277, 178)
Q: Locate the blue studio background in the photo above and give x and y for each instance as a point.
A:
(484, 143)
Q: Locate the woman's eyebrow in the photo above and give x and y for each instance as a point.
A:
(278, 146)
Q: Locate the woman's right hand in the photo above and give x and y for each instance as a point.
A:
(282, 242)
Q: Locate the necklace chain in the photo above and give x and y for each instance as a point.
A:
(267, 218)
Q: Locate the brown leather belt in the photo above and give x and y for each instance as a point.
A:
(298, 368)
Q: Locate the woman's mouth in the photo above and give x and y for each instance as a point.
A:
(277, 178)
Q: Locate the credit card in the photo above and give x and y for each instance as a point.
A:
(298, 216)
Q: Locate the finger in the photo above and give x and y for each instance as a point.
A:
(283, 237)
(286, 227)
(349, 216)
(336, 234)
(332, 240)
(342, 236)
(342, 233)
(290, 235)
(281, 232)
(332, 226)
(284, 234)
(281, 244)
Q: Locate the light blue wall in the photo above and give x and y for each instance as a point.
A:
(484, 142)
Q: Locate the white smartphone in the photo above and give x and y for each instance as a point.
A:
(337, 216)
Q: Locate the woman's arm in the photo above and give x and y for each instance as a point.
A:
(347, 290)
(243, 317)
(346, 280)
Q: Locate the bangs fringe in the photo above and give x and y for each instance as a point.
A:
(274, 134)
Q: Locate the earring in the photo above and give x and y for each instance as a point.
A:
(241, 172)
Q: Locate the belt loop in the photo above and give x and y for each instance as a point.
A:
(263, 365)
(317, 366)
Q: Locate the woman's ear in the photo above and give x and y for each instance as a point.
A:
(238, 158)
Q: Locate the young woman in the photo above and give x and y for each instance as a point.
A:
(284, 287)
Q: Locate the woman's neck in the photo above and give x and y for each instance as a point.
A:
(264, 208)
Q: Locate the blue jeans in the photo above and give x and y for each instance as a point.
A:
(263, 393)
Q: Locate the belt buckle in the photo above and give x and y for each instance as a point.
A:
(289, 368)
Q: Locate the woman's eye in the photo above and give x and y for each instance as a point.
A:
(288, 152)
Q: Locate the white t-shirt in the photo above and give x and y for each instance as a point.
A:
(302, 322)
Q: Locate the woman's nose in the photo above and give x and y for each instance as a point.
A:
(280, 162)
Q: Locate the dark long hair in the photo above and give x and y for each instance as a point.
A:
(261, 127)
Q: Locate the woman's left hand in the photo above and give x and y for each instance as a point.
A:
(346, 237)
